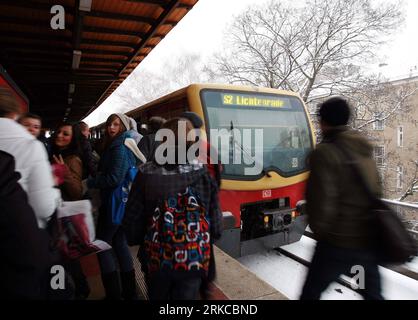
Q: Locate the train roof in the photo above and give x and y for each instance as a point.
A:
(196, 87)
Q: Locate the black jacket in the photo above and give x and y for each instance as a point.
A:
(24, 248)
(337, 205)
(89, 162)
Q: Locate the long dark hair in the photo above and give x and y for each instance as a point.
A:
(75, 146)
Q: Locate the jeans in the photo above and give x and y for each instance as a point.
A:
(174, 285)
(113, 235)
(329, 262)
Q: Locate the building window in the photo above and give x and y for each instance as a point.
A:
(378, 124)
(400, 136)
(379, 155)
(399, 177)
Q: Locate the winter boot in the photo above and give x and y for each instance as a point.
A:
(112, 286)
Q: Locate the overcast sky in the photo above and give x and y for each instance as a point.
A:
(202, 31)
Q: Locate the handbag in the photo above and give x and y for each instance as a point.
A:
(120, 196)
(394, 243)
(72, 230)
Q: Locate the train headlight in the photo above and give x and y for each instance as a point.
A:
(301, 207)
(266, 221)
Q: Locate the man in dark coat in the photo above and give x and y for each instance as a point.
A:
(90, 163)
(24, 248)
(338, 207)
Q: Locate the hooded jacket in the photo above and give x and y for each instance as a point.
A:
(33, 165)
(113, 166)
(338, 207)
(130, 126)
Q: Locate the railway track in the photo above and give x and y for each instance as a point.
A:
(396, 268)
(349, 285)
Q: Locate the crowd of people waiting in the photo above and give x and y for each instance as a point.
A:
(172, 211)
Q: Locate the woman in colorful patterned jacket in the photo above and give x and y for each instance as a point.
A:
(173, 214)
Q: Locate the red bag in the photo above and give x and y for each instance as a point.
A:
(73, 230)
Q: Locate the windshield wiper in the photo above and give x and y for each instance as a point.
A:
(263, 171)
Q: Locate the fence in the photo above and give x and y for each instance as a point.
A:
(405, 210)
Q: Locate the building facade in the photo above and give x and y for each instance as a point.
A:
(395, 141)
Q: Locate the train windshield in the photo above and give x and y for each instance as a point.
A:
(255, 132)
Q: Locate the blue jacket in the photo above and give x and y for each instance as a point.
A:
(113, 167)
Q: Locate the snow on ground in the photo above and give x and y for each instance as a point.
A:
(413, 265)
(288, 276)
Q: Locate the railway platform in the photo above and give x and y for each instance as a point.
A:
(233, 282)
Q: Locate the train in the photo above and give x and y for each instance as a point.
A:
(7, 82)
(270, 133)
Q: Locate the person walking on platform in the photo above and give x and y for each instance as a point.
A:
(113, 167)
(173, 214)
(337, 206)
(31, 160)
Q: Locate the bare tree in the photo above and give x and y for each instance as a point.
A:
(377, 105)
(140, 88)
(412, 186)
(312, 48)
(143, 86)
(376, 102)
(184, 70)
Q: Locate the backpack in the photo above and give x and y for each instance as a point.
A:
(120, 193)
(178, 236)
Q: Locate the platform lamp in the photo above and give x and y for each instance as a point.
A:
(85, 5)
(76, 59)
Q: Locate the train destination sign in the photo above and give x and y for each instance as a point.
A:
(252, 100)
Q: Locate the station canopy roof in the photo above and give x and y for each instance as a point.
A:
(67, 73)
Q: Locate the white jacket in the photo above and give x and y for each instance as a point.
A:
(33, 165)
